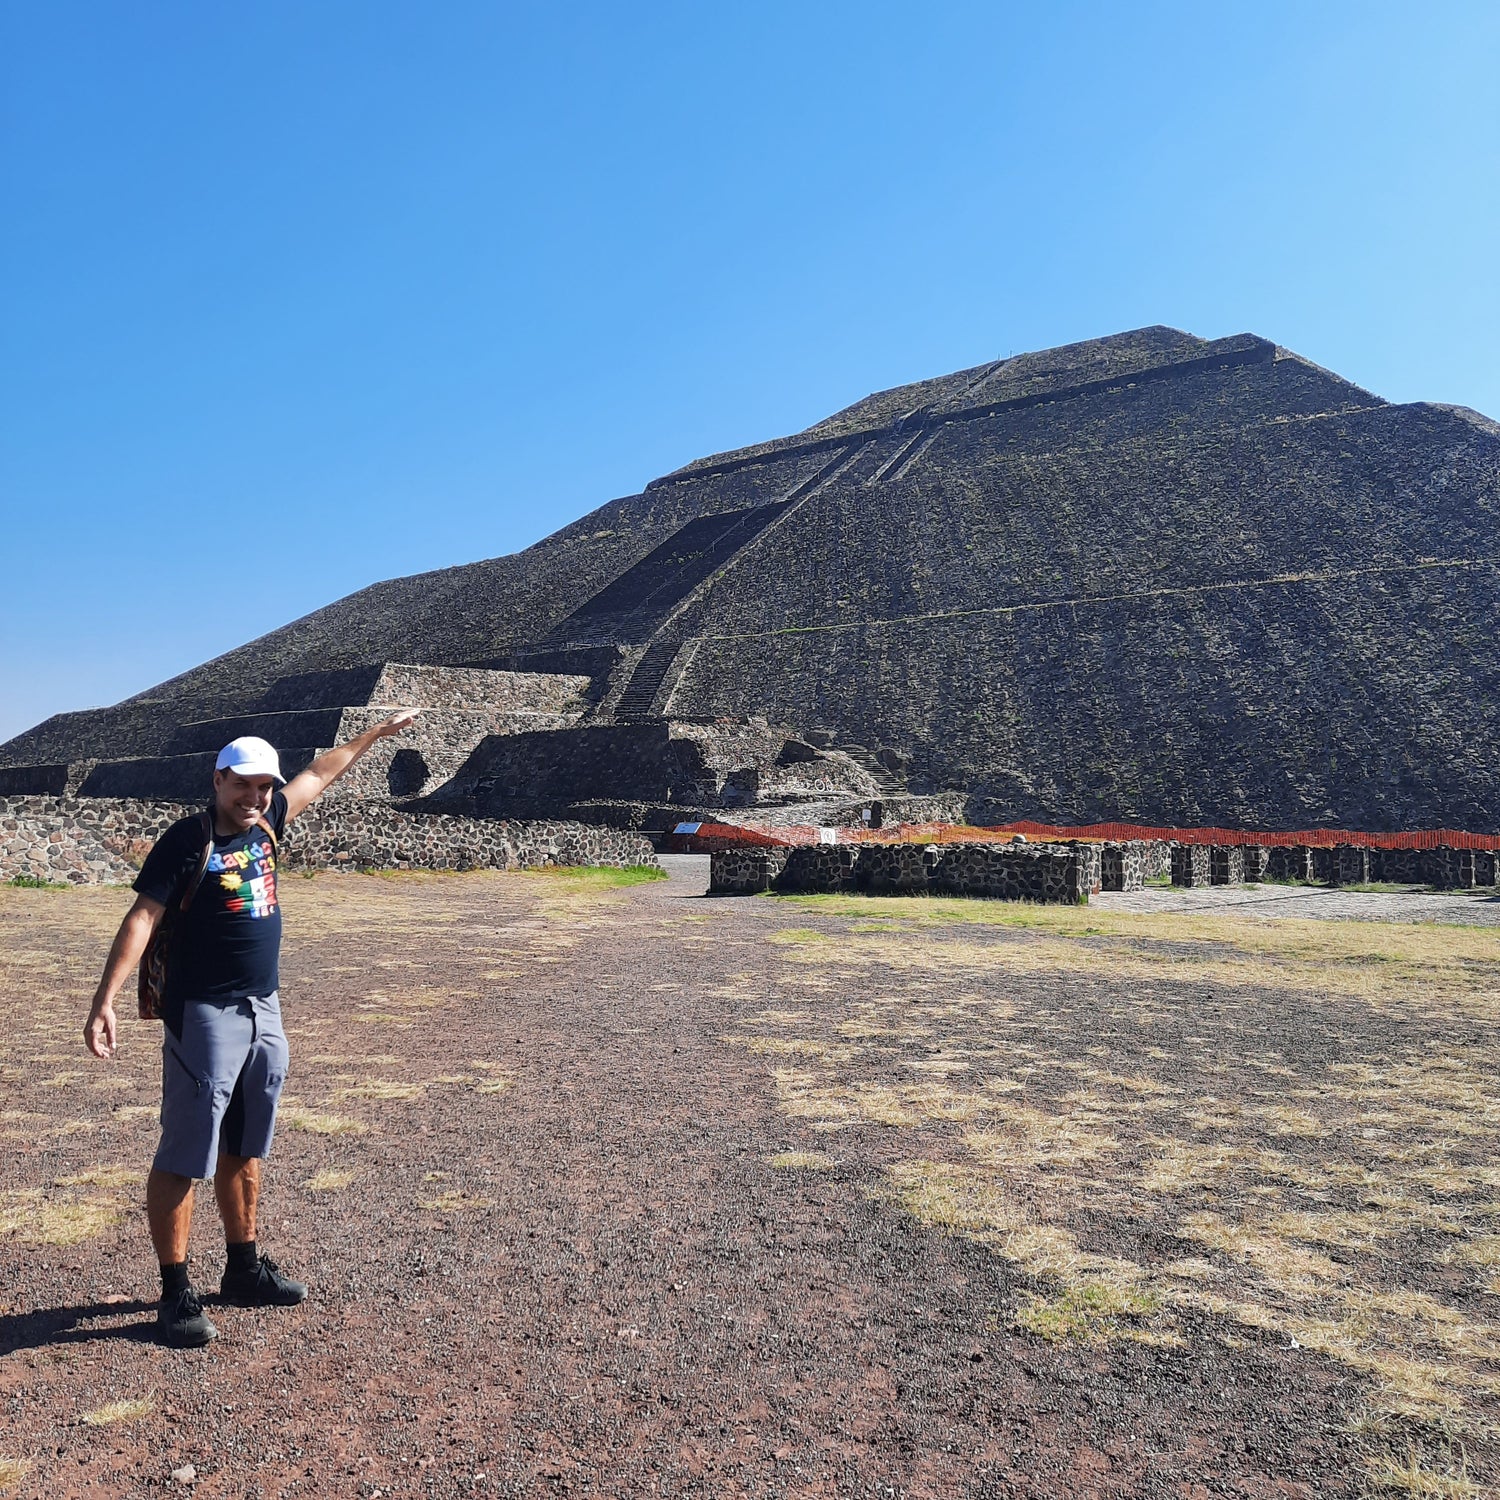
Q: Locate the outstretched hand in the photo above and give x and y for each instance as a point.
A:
(397, 723)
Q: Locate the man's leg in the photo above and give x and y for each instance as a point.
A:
(169, 1211)
(237, 1190)
(195, 1062)
(250, 1278)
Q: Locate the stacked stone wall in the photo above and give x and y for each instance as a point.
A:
(1450, 869)
(1400, 866)
(744, 872)
(820, 868)
(97, 840)
(896, 869)
(1051, 873)
(1289, 862)
(1122, 867)
(1191, 867)
(1226, 864)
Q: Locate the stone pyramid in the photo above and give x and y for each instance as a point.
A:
(1146, 577)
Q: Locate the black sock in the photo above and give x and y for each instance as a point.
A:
(241, 1257)
(174, 1279)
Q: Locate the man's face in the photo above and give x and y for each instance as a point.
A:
(242, 799)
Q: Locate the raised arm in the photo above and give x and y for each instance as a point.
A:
(327, 768)
(124, 954)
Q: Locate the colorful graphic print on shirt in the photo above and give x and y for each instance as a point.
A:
(248, 875)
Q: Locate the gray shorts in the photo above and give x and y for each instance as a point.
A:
(220, 1083)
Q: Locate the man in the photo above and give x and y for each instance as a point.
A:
(224, 1053)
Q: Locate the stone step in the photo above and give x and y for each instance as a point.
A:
(310, 726)
(172, 778)
(402, 685)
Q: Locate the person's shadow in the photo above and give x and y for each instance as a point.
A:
(72, 1325)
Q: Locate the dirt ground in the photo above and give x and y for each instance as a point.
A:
(618, 1191)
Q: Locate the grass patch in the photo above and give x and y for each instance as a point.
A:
(12, 1472)
(1411, 1476)
(121, 1411)
(599, 877)
(1040, 1065)
(330, 1180)
(1388, 964)
(36, 883)
(454, 1202)
(106, 1177)
(1089, 1312)
(384, 1089)
(796, 937)
(318, 1122)
(802, 1161)
(34, 1219)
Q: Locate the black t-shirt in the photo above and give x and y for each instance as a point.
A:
(228, 941)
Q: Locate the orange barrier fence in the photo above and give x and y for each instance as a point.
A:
(1318, 838)
(705, 836)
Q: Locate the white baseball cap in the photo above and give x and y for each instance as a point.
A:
(249, 756)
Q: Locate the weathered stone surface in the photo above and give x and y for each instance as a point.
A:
(1399, 866)
(1289, 862)
(1450, 869)
(1191, 865)
(819, 868)
(1131, 578)
(1255, 858)
(1226, 864)
(1014, 872)
(745, 872)
(103, 840)
(1351, 865)
(896, 869)
(1122, 867)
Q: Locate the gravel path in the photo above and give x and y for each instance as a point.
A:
(535, 1186)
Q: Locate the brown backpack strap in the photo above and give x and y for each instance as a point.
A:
(270, 832)
(206, 822)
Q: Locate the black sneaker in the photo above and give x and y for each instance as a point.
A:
(180, 1321)
(262, 1285)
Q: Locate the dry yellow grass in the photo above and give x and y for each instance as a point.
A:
(12, 1472)
(330, 1180)
(455, 1202)
(1382, 963)
(1290, 1184)
(107, 1177)
(32, 1217)
(121, 1411)
(383, 1089)
(802, 1161)
(318, 1122)
(1411, 1476)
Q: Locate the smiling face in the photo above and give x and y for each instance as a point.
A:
(240, 800)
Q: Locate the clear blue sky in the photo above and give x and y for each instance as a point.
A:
(299, 296)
